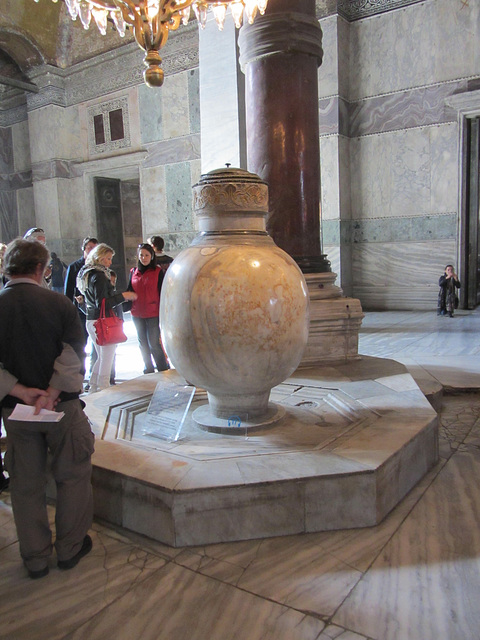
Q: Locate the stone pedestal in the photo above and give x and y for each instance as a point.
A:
(334, 322)
(356, 438)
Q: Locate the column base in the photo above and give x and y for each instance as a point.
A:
(334, 323)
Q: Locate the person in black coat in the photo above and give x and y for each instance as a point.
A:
(447, 296)
(71, 291)
(94, 283)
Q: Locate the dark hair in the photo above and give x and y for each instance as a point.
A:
(157, 243)
(149, 248)
(22, 257)
(87, 240)
(448, 265)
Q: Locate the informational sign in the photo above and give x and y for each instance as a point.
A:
(167, 410)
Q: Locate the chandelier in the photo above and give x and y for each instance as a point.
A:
(151, 21)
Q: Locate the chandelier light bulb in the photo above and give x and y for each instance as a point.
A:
(119, 22)
(85, 13)
(153, 8)
(251, 10)
(219, 11)
(185, 15)
(100, 17)
(236, 9)
(200, 9)
(72, 6)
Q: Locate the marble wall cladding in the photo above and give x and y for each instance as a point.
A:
(176, 119)
(131, 208)
(328, 76)
(154, 200)
(151, 108)
(169, 151)
(395, 51)
(8, 216)
(193, 77)
(179, 197)
(25, 208)
(54, 134)
(176, 242)
(328, 115)
(345, 178)
(402, 264)
(6, 151)
(21, 146)
(74, 217)
(332, 252)
(392, 174)
(47, 207)
(331, 232)
(444, 158)
(402, 229)
(413, 108)
(330, 177)
(344, 57)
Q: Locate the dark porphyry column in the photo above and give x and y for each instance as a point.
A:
(280, 54)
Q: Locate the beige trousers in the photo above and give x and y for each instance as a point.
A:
(70, 443)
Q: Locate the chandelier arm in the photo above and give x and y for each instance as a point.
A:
(159, 32)
(133, 18)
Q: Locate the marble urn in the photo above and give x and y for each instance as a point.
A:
(234, 306)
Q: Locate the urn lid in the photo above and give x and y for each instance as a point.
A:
(229, 174)
(230, 191)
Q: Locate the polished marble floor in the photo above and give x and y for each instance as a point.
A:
(416, 576)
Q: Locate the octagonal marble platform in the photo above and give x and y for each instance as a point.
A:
(355, 439)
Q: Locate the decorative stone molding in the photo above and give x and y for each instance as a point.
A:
(466, 103)
(51, 83)
(286, 32)
(103, 109)
(123, 67)
(12, 116)
(109, 72)
(356, 9)
(228, 197)
(51, 169)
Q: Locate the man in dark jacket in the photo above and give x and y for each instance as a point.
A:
(74, 294)
(41, 356)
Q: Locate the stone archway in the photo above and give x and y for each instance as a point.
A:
(17, 56)
(20, 49)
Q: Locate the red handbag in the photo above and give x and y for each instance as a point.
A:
(109, 329)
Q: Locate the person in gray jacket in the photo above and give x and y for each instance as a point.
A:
(41, 365)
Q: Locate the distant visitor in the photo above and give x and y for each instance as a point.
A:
(447, 295)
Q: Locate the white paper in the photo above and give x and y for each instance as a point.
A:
(24, 413)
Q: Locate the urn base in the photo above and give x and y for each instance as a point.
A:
(237, 423)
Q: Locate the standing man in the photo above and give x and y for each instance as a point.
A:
(76, 297)
(35, 233)
(163, 261)
(41, 355)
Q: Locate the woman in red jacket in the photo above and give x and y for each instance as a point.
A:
(146, 281)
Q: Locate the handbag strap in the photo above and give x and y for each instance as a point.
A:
(103, 313)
